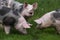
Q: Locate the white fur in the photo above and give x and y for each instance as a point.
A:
(7, 29)
(29, 7)
(9, 3)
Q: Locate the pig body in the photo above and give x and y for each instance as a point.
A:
(50, 18)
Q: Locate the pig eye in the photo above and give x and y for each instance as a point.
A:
(30, 13)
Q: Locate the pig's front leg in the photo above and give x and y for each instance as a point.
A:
(58, 29)
(7, 29)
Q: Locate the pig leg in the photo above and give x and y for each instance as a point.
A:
(58, 29)
(7, 29)
(57, 24)
(38, 26)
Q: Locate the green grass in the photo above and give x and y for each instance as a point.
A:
(33, 33)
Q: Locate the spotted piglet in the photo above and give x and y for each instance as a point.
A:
(50, 18)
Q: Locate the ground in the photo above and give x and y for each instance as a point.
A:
(44, 6)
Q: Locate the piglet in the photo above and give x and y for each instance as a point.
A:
(22, 25)
(50, 18)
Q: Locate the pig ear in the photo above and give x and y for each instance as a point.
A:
(35, 5)
(25, 5)
(38, 21)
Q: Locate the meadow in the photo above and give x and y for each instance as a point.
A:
(44, 6)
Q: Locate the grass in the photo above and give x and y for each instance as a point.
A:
(44, 6)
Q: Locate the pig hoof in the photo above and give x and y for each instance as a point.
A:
(58, 33)
(24, 33)
(7, 33)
